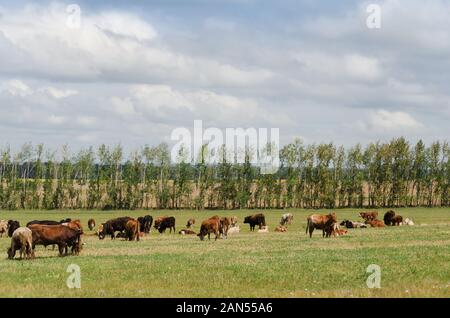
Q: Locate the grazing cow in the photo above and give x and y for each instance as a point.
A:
(255, 219)
(375, 223)
(3, 227)
(158, 221)
(281, 228)
(167, 223)
(187, 232)
(408, 222)
(12, 226)
(233, 221)
(397, 220)
(286, 219)
(91, 224)
(321, 222)
(388, 217)
(211, 225)
(61, 235)
(132, 230)
(369, 216)
(145, 223)
(353, 225)
(233, 230)
(190, 223)
(112, 226)
(22, 239)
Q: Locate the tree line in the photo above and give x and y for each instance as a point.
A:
(380, 174)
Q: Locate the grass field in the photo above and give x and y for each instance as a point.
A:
(414, 261)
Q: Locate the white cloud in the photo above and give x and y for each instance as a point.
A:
(56, 120)
(362, 67)
(387, 121)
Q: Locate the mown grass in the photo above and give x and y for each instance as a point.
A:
(415, 261)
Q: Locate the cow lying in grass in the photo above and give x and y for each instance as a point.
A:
(187, 232)
(375, 223)
(352, 225)
(369, 216)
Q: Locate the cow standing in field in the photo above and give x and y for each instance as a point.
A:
(60, 235)
(132, 230)
(112, 226)
(286, 219)
(211, 225)
(158, 221)
(233, 221)
(321, 222)
(388, 217)
(145, 223)
(167, 223)
(91, 224)
(224, 227)
(255, 219)
(22, 239)
(12, 226)
(3, 228)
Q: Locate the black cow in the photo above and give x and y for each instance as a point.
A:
(12, 226)
(145, 223)
(112, 226)
(255, 219)
(388, 216)
(168, 222)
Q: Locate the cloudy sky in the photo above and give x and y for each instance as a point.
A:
(133, 70)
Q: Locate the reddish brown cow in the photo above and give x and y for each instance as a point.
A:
(211, 225)
(132, 230)
(61, 235)
(321, 222)
(369, 216)
(375, 223)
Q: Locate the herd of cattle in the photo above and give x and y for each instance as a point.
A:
(67, 233)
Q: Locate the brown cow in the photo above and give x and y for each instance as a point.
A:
(224, 226)
(211, 225)
(375, 223)
(91, 224)
(321, 222)
(190, 223)
(397, 220)
(132, 230)
(158, 221)
(22, 239)
(369, 216)
(281, 228)
(3, 227)
(61, 235)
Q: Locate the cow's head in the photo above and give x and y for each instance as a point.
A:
(201, 236)
(10, 253)
(101, 231)
(247, 219)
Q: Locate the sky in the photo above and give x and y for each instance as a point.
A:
(133, 71)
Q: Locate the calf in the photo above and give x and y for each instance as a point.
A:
(352, 225)
(255, 219)
(190, 223)
(321, 222)
(167, 223)
(132, 230)
(369, 216)
(22, 239)
(61, 235)
(397, 220)
(91, 224)
(286, 219)
(12, 226)
(3, 227)
(211, 225)
(187, 232)
(281, 228)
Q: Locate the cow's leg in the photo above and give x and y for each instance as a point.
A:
(311, 230)
(61, 247)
